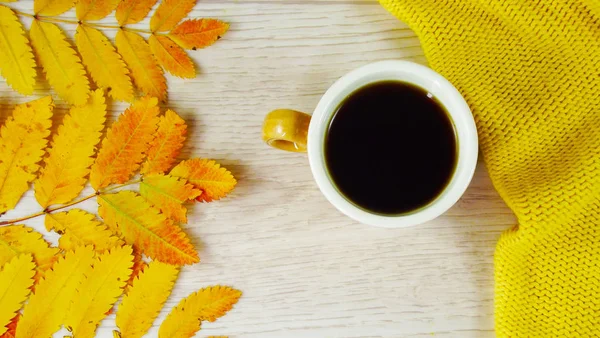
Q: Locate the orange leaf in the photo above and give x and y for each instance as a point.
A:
(144, 227)
(138, 267)
(165, 147)
(146, 73)
(125, 144)
(168, 193)
(133, 11)
(172, 57)
(214, 181)
(94, 9)
(169, 13)
(12, 327)
(198, 33)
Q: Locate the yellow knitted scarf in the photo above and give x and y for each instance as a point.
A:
(530, 70)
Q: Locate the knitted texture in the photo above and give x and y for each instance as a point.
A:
(530, 71)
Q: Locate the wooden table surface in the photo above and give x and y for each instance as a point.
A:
(305, 269)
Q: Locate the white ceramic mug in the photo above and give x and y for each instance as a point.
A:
(294, 131)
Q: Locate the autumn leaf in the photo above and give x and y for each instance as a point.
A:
(79, 228)
(16, 240)
(142, 226)
(198, 33)
(138, 267)
(52, 7)
(99, 291)
(169, 13)
(206, 304)
(89, 10)
(125, 144)
(214, 181)
(70, 156)
(172, 57)
(22, 143)
(46, 309)
(12, 327)
(60, 62)
(16, 279)
(103, 63)
(17, 65)
(166, 145)
(168, 193)
(133, 11)
(143, 302)
(146, 73)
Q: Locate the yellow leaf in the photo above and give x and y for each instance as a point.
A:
(143, 302)
(103, 63)
(70, 157)
(172, 57)
(206, 304)
(133, 11)
(88, 10)
(60, 62)
(143, 226)
(99, 291)
(16, 279)
(46, 309)
(214, 181)
(16, 58)
(22, 143)
(125, 144)
(8, 0)
(168, 193)
(146, 73)
(198, 33)
(169, 13)
(166, 145)
(19, 239)
(79, 228)
(52, 7)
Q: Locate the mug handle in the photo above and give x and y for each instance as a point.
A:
(287, 130)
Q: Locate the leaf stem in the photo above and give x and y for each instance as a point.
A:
(51, 210)
(75, 22)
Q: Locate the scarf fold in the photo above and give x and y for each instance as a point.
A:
(530, 71)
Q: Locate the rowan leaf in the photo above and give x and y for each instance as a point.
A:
(133, 11)
(52, 7)
(145, 298)
(214, 181)
(103, 63)
(125, 144)
(169, 13)
(46, 309)
(146, 73)
(206, 304)
(17, 65)
(99, 291)
(8, 0)
(198, 33)
(168, 193)
(12, 327)
(16, 279)
(166, 145)
(17, 240)
(79, 228)
(60, 62)
(172, 57)
(149, 231)
(22, 143)
(89, 10)
(70, 157)
(138, 267)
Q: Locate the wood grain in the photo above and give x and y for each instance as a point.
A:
(305, 269)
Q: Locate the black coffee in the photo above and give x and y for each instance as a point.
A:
(391, 148)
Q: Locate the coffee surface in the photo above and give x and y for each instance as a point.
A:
(391, 148)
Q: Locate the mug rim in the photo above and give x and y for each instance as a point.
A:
(446, 94)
